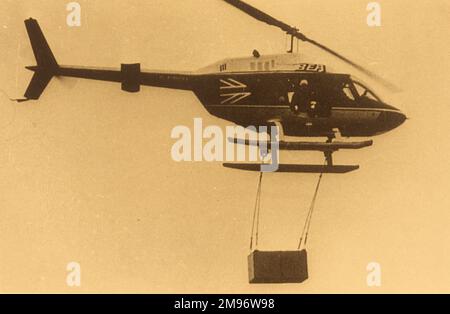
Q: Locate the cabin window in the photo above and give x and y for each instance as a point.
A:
(267, 66)
(223, 67)
(253, 66)
(348, 92)
(260, 66)
(273, 63)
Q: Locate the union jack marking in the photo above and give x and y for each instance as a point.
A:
(231, 84)
(232, 98)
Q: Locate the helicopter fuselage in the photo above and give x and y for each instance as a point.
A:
(330, 102)
(257, 92)
(261, 89)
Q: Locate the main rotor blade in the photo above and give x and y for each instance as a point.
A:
(370, 74)
(260, 15)
(266, 18)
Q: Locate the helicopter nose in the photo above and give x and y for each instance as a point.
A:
(392, 119)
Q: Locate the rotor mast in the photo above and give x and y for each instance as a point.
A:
(292, 44)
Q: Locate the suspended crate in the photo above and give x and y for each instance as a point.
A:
(277, 267)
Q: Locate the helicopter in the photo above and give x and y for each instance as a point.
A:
(301, 99)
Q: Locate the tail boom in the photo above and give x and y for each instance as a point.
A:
(129, 75)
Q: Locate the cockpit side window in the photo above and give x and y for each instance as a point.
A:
(365, 92)
(339, 91)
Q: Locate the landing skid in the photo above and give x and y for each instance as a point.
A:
(327, 148)
(291, 168)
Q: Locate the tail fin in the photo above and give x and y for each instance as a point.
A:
(46, 68)
(43, 54)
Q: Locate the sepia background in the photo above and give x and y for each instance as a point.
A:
(86, 173)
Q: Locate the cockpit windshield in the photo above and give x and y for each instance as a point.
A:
(363, 91)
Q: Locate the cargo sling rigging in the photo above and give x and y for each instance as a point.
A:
(256, 216)
(307, 226)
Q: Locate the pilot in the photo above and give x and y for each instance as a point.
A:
(301, 98)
